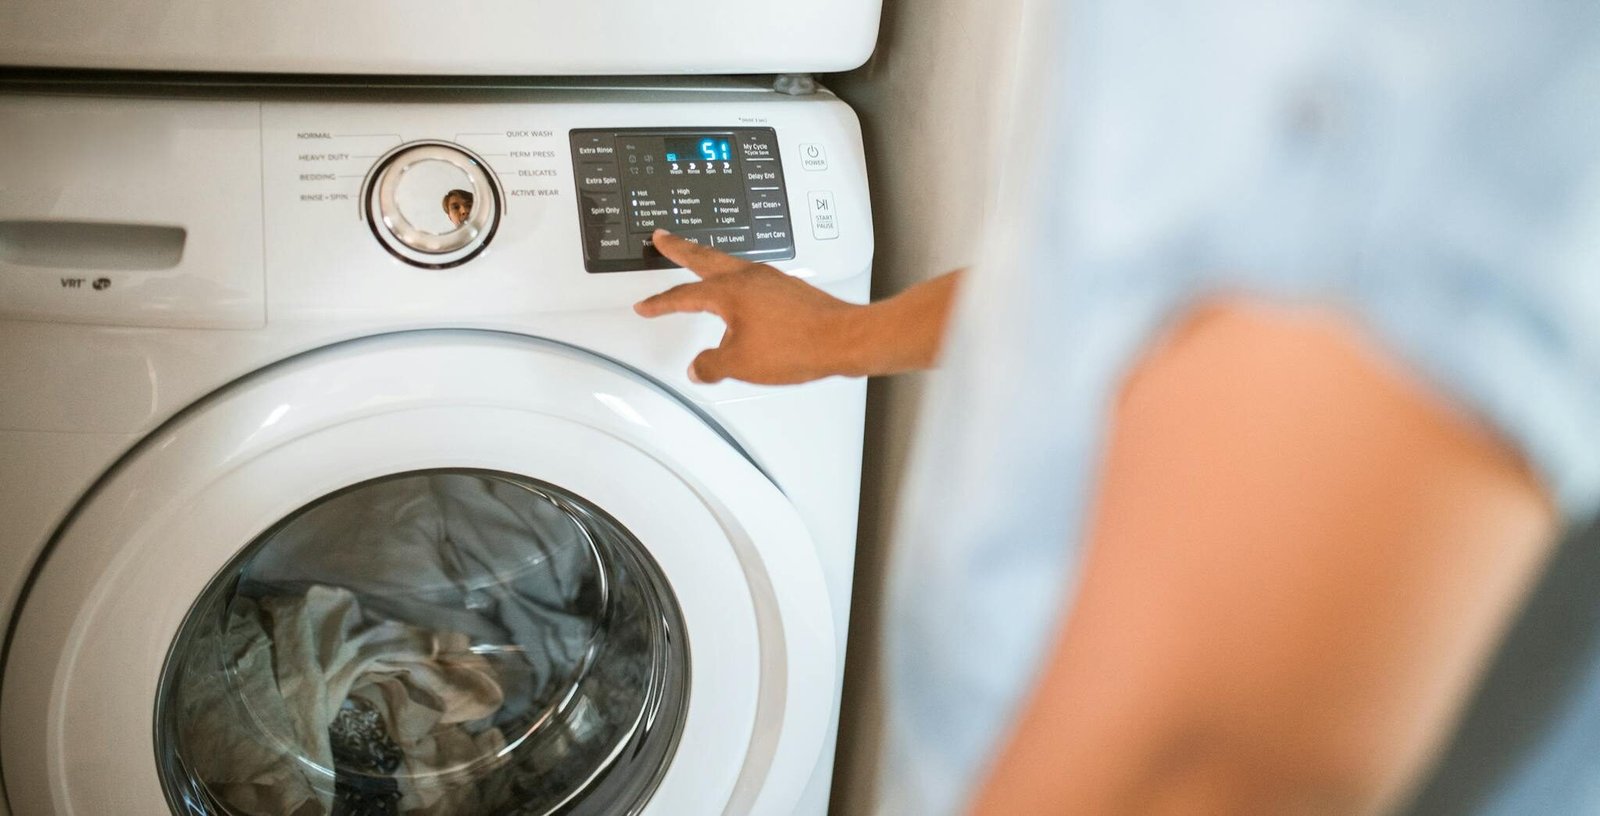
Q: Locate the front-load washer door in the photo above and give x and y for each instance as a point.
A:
(426, 573)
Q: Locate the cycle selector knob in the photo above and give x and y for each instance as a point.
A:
(433, 204)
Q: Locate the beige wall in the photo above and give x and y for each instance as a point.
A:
(930, 103)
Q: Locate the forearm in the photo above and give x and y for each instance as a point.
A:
(901, 333)
(1299, 558)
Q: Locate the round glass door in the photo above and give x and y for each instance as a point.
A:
(324, 591)
(435, 642)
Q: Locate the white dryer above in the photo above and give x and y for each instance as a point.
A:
(442, 37)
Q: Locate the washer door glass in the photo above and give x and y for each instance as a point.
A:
(439, 642)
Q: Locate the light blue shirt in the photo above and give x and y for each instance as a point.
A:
(1432, 167)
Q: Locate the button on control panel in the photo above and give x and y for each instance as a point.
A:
(813, 157)
(824, 219)
(722, 187)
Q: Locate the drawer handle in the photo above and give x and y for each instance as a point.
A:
(90, 245)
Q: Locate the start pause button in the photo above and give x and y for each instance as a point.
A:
(824, 220)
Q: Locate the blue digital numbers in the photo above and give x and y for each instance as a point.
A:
(695, 149)
(715, 149)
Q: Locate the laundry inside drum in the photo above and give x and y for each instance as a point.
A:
(442, 642)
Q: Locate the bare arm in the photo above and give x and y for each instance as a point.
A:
(1299, 560)
(783, 330)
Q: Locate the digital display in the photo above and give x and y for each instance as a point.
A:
(699, 148)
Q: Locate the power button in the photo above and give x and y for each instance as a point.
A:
(813, 157)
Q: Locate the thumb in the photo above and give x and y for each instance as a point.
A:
(709, 366)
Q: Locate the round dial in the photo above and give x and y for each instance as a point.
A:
(432, 204)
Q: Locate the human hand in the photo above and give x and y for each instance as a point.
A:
(780, 330)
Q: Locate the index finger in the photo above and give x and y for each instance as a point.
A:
(685, 297)
(701, 260)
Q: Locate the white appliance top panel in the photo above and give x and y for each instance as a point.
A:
(430, 37)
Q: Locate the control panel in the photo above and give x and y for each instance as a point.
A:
(223, 212)
(719, 187)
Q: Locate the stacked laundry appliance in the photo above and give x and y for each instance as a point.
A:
(337, 475)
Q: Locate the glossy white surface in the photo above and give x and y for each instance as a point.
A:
(426, 37)
(56, 469)
(80, 395)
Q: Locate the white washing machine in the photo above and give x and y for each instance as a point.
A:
(337, 474)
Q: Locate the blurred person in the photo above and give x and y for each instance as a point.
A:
(1257, 417)
(458, 206)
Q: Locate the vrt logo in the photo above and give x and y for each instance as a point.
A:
(99, 284)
